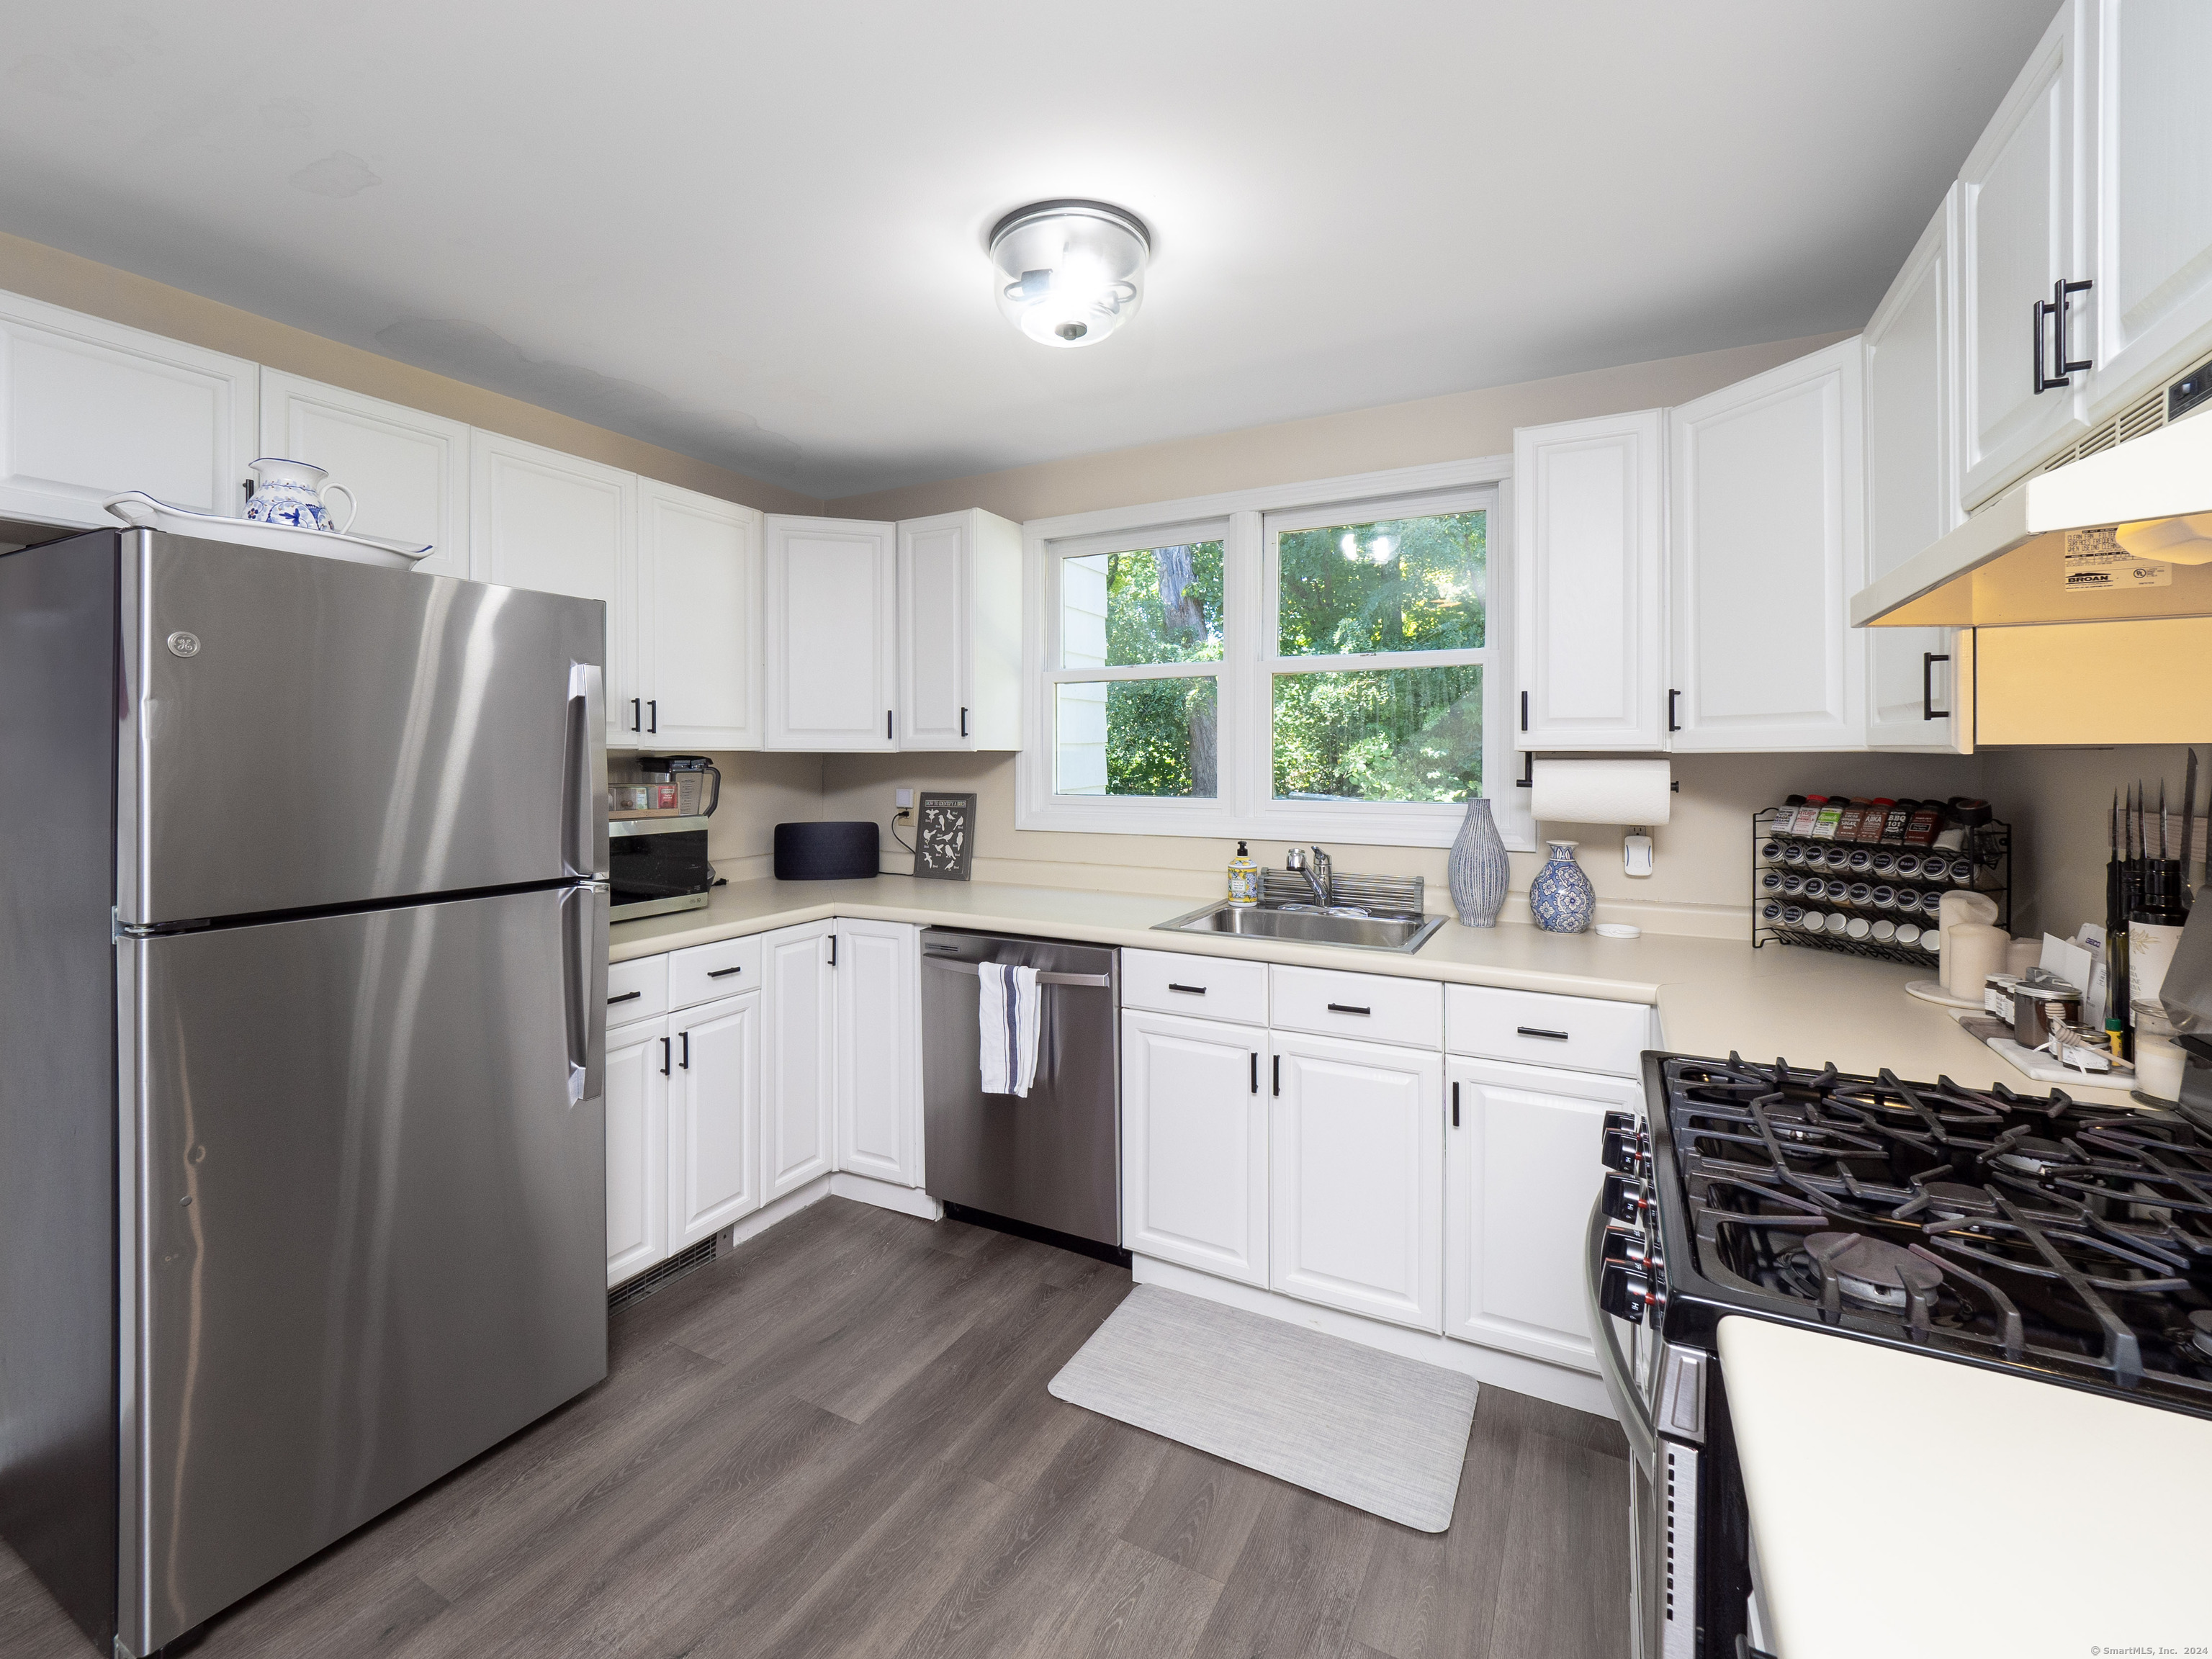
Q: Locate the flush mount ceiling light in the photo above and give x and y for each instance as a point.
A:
(1069, 273)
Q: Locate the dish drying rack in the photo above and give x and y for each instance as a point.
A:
(1987, 851)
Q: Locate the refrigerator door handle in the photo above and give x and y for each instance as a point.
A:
(584, 980)
(584, 831)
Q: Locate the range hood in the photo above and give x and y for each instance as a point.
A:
(2151, 499)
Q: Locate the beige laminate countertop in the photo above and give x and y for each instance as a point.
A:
(1713, 995)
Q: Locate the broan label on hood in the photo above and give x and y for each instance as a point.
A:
(2095, 561)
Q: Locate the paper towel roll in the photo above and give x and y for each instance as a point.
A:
(1602, 791)
(1972, 951)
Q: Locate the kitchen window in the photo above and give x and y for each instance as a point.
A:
(1318, 670)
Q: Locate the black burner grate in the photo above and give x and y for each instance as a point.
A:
(2031, 1230)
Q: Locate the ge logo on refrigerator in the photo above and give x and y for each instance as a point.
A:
(185, 645)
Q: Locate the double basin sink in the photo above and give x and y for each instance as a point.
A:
(1310, 924)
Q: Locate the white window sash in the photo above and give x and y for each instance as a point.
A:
(1244, 675)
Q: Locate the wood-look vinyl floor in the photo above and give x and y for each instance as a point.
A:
(836, 1441)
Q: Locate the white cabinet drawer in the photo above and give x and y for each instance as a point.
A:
(707, 971)
(1217, 987)
(1365, 1005)
(1582, 1033)
(636, 990)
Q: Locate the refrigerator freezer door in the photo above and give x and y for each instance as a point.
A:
(375, 1239)
(313, 733)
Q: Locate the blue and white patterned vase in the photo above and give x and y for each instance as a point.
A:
(1477, 869)
(1560, 895)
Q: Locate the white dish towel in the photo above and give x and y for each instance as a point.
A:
(1008, 1015)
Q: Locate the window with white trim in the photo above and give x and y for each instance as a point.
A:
(1313, 669)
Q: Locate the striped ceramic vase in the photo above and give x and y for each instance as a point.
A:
(1477, 869)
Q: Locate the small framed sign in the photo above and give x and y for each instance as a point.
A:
(945, 837)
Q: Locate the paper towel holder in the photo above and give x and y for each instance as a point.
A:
(1528, 778)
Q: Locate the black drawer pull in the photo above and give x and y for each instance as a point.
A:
(1455, 1105)
(1531, 1031)
(1256, 1072)
(1187, 990)
(627, 996)
(723, 973)
(1346, 1008)
(1279, 1074)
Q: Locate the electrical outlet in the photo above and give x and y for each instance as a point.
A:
(902, 799)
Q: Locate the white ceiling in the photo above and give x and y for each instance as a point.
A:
(753, 232)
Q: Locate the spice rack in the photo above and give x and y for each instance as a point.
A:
(1870, 884)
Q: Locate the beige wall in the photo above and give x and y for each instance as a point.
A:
(1453, 427)
(63, 279)
(2059, 802)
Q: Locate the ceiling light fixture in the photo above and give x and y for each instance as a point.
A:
(1069, 272)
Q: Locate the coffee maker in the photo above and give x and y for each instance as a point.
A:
(698, 781)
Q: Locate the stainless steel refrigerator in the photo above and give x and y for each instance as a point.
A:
(302, 1009)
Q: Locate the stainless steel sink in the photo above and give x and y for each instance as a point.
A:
(1404, 934)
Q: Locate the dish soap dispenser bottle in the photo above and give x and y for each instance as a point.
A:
(1243, 877)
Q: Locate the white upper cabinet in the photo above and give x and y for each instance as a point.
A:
(1589, 568)
(2019, 208)
(698, 620)
(1765, 547)
(878, 1050)
(407, 471)
(1910, 349)
(959, 632)
(2151, 222)
(90, 409)
(831, 598)
(542, 520)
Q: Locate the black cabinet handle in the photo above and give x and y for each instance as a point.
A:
(1187, 990)
(2058, 308)
(1255, 1071)
(652, 715)
(1346, 1008)
(686, 1061)
(963, 722)
(1524, 711)
(887, 725)
(1928, 711)
(664, 1056)
(1279, 1074)
(723, 973)
(1538, 1031)
(636, 715)
(627, 996)
(1672, 724)
(1455, 1105)
(833, 950)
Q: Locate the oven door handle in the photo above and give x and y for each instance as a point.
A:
(1620, 1385)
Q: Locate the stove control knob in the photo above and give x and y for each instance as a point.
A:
(1627, 1199)
(1622, 1293)
(1624, 1151)
(1631, 1248)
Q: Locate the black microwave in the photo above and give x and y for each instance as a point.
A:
(655, 866)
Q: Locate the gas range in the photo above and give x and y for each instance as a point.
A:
(2031, 1233)
(2037, 1236)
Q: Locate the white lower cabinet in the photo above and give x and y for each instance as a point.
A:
(637, 1147)
(714, 1117)
(1521, 1171)
(878, 1050)
(1194, 1144)
(1357, 1145)
(797, 1129)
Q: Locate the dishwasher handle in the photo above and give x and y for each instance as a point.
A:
(1097, 981)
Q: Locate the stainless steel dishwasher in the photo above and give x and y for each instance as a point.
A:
(1051, 1159)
